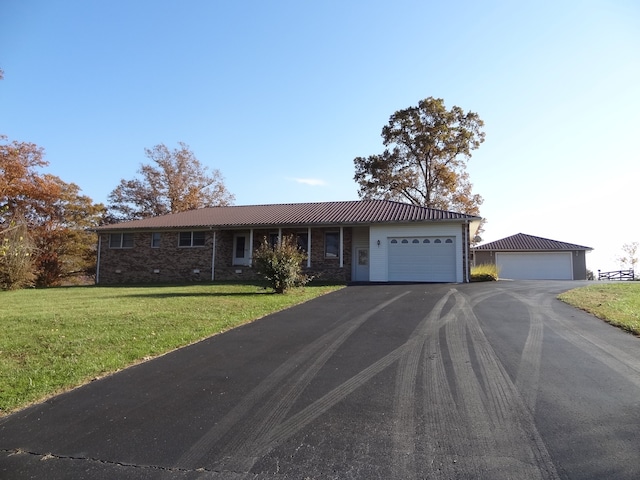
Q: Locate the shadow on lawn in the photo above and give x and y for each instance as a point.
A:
(199, 294)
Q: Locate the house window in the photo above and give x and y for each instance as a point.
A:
(274, 239)
(121, 240)
(241, 250)
(192, 239)
(332, 244)
(302, 240)
(155, 240)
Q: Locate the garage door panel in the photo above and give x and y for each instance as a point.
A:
(422, 259)
(535, 265)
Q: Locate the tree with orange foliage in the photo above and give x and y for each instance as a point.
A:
(427, 148)
(176, 183)
(56, 216)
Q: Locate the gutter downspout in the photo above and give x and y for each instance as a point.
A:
(467, 270)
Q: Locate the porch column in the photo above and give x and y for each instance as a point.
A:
(308, 247)
(251, 247)
(341, 247)
(213, 258)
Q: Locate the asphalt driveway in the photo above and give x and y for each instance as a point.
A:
(492, 381)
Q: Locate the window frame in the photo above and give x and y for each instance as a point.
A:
(192, 239)
(327, 254)
(156, 239)
(126, 240)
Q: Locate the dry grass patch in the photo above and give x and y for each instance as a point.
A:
(485, 272)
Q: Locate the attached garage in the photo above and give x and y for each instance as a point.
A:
(526, 257)
(422, 259)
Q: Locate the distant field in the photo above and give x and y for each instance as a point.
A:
(55, 339)
(617, 303)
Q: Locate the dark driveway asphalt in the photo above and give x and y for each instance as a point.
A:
(491, 381)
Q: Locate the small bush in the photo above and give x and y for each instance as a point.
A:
(281, 265)
(16, 258)
(485, 272)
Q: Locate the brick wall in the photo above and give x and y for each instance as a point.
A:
(170, 263)
(165, 264)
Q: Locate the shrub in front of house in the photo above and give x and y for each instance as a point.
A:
(485, 272)
(281, 264)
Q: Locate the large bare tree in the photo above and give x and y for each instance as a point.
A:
(424, 162)
(174, 182)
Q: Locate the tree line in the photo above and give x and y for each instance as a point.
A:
(46, 224)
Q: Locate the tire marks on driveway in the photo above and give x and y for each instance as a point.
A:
(490, 424)
(465, 417)
(256, 430)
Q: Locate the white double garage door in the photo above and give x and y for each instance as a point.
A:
(422, 259)
(535, 265)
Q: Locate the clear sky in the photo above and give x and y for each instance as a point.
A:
(281, 96)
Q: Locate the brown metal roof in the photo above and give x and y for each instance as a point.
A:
(522, 242)
(295, 214)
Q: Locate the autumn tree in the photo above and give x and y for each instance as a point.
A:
(55, 215)
(629, 256)
(174, 182)
(424, 162)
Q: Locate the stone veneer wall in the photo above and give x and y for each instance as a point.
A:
(172, 264)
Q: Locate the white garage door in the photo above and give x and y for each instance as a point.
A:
(535, 266)
(422, 259)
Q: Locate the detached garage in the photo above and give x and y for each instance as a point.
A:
(525, 257)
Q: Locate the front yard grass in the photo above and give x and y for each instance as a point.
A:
(616, 303)
(58, 338)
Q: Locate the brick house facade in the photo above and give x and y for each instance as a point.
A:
(170, 263)
(344, 242)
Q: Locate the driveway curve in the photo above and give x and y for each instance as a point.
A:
(449, 381)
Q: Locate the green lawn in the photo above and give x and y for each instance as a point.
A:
(616, 303)
(55, 339)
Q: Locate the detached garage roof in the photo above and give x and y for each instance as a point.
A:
(296, 214)
(521, 242)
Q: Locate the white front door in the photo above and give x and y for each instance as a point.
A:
(362, 264)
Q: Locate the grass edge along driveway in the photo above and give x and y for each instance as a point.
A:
(59, 338)
(616, 303)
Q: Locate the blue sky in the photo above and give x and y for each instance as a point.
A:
(281, 96)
